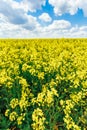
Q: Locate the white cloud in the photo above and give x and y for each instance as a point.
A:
(59, 24)
(31, 5)
(60, 6)
(25, 5)
(16, 12)
(83, 28)
(9, 30)
(83, 6)
(15, 21)
(68, 6)
(32, 23)
(56, 29)
(15, 16)
(64, 6)
(45, 17)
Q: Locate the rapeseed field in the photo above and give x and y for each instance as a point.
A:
(43, 84)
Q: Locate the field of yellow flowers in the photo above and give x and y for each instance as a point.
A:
(43, 84)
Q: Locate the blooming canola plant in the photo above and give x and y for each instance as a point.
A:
(43, 84)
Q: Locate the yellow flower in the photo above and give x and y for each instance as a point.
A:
(38, 119)
(41, 75)
(54, 92)
(20, 119)
(13, 116)
(23, 103)
(61, 102)
(7, 112)
(23, 82)
(14, 103)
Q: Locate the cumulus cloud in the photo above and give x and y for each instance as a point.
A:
(59, 24)
(15, 16)
(56, 29)
(68, 6)
(32, 23)
(45, 17)
(16, 22)
(26, 5)
(83, 6)
(64, 6)
(16, 12)
(60, 6)
(31, 5)
(9, 30)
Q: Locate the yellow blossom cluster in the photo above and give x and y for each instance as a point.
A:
(38, 119)
(13, 116)
(14, 103)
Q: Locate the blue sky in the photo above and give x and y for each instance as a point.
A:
(43, 18)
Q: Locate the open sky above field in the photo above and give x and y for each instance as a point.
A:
(43, 18)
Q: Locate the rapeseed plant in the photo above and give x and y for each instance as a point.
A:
(43, 84)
